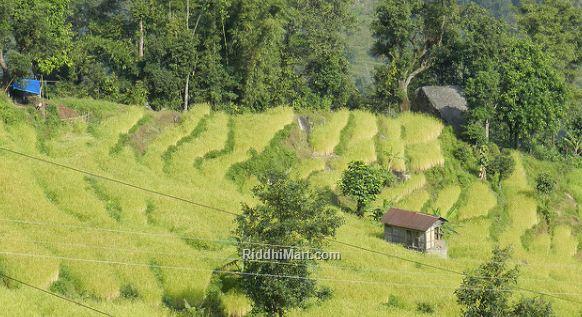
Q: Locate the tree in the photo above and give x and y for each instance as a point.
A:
(532, 96)
(485, 292)
(533, 307)
(290, 213)
(555, 26)
(361, 182)
(34, 36)
(408, 36)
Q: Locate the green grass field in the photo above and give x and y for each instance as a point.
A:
(134, 253)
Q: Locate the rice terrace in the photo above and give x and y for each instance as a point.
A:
(290, 158)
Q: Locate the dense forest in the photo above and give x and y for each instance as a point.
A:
(518, 62)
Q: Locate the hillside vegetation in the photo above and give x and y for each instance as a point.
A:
(134, 253)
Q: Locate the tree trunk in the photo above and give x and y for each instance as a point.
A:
(405, 103)
(141, 40)
(187, 14)
(487, 130)
(4, 66)
(186, 94)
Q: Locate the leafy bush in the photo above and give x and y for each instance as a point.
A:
(128, 291)
(502, 165)
(394, 301)
(363, 183)
(424, 308)
(545, 183)
(533, 307)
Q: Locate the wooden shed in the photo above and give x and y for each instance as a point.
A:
(415, 230)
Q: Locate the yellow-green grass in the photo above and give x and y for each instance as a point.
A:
(414, 201)
(171, 136)
(401, 190)
(471, 240)
(212, 139)
(309, 166)
(36, 192)
(420, 128)
(361, 146)
(446, 198)
(235, 304)
(390, 146)
(541, 244)
(251, 131)
(521, 207)
(27, 302)
(325, 135)
(423, 156)
(564, 244)
(480, 200)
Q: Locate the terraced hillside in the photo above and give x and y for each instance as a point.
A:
(136, 253)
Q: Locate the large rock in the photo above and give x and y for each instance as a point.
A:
(446, 102)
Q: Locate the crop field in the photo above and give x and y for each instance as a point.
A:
(136, 253)
(480, 200)
(446, 198)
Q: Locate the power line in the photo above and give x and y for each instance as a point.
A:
(275, 262)
(154, 234)
(329, 279)
(56, 295)
(151, 191)
(231, 213)
(445, 269)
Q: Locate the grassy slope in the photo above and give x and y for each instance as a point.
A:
(170, 268)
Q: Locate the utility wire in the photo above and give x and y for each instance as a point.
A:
(275, 262)
(229, 242)
(329, 279)
(153, 234)
(234, 214)
(445, 269)
(109, 179)
(54, 294)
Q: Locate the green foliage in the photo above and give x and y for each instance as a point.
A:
(276, 159)
(394, 302)
(555, 26)
(502, 165)
(424, 308)
(408, 35)
(545, 183)
(483, 291)
(289, 213)
(35, 35)
(363, 183)
(9, 114)
(533, 307)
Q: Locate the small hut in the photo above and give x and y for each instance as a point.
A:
(415, 230)
(446, 102)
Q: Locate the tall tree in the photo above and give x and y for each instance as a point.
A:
(290, 213)
(35, 37)
(486, 291)
(555, 26)
(408, 36)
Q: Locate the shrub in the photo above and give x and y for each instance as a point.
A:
(502, 165)
(363, 183)
(394, 301)
(424, 308)
(545, 183)
(533, 307)
(128, 291)
(475, 133)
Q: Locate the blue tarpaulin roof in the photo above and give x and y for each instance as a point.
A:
(32, 86)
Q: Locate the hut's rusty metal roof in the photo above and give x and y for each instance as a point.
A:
(409, 219)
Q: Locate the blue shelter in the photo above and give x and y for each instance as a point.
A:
(31, 86)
